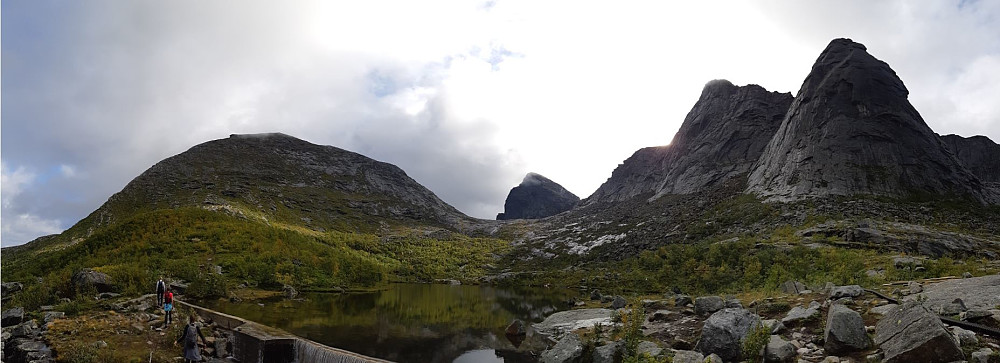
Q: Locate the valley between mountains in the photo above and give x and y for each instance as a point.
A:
(764, 207)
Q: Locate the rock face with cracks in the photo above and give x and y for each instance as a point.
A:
(911, 333)
(845, 331)
(851, 130)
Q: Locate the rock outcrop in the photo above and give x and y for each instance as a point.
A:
(537, 197)
(845, 331)
(911, 333)
(851, 130)
(87, 279)
(721, 137)
(981, 156)
(724, 331)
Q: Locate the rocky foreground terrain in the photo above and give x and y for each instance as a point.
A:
(934, 321)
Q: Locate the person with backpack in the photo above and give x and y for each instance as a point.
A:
(190, 339)
(168, 306)
(161, 287)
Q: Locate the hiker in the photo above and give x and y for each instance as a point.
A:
(168, 306)
(190, 339)
(161, 287)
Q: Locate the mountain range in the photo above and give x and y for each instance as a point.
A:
(745, 161)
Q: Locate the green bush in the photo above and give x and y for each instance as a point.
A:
(753, 345)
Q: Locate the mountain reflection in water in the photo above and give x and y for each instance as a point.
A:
(413, 322)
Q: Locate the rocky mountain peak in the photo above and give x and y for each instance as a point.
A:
(537, 197)
(851, 130)
(721, 137)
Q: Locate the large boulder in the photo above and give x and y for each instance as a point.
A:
(778, 350)
(87, 278)
(800, 314)
(845, 331)
(708, 304)
(26, 350)
(12, 316)
(911, 333)
(560, 323)
(793, 287)
(568, 349)
(724, 331)
(618, 303)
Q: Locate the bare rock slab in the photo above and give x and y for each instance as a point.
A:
(911, 333)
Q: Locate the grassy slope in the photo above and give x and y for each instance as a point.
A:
(187, 243)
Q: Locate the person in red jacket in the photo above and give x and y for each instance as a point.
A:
(168, 306)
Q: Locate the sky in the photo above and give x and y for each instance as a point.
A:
(465, 96)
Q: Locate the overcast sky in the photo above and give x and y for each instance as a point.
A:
(465, 96)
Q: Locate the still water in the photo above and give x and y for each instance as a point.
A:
(413, 322)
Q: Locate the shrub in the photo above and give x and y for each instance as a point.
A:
(753, 345)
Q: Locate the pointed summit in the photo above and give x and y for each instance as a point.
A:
(537, 197)
(721, 137)
(851, 130)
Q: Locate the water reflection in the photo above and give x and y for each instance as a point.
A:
(414, 322)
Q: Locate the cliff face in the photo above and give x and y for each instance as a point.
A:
(977, 153)
(851, 130)
(537, 197)
(721, 137)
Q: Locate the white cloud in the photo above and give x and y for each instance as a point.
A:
(25, 227)
(13, 183)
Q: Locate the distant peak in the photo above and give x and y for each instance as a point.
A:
(534, 179)
(265, 135)
(845, 43)
(718, 86)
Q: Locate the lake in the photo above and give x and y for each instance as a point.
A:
(413, 322)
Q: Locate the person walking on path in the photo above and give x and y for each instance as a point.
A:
(161, 287)
(190, 339)
(168, 306)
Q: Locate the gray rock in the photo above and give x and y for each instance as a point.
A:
(850, 131)
(978, 153)
(537, 197)
(688, 356)
(713, 358)
(845, 331)
(607, 298)
(973, 315)
(106, 295)
(568, 349)
(11, 317)
(906, 261)
(915, 287)
(660, 315)
(977, 293)
(734, 303)
(595, 295)
(722, 136)
(618, 303)
(724, 331)
(10, 288)
(967, 275)
(606, 353)
(913, 334)
(682, 300)
(778, 350)
(49, 316)
(793, 287)
(559, 323)
(956, 307)
(965, 338)
(26, 350)
(27, 329)
(981, 356)
(708, 304)
(851, 291)
(650, 348)
(774, 325)
(87, 279)
(882, 310)
(799, 315)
